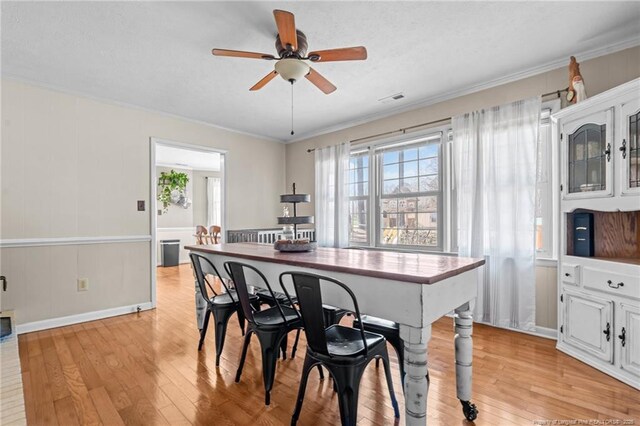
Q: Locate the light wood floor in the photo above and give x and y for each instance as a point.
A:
(145, 369)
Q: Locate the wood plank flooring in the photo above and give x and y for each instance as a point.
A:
(145, 369)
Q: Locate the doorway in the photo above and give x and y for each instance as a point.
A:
(187, 190)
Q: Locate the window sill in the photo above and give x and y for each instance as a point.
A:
(404, 250)
(547, 263)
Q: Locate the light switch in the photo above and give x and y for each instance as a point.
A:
(140, 205)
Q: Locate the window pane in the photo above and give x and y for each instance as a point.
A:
(390, 172)
(430, 150)
(409, 185)
(410, 154)
(358, 189)
(359, 175)
(389, 205)
(358, 221)
(390, 186)
(390, 157)
(429, 183)
(429, 166)
(428, 204)
(409, 169)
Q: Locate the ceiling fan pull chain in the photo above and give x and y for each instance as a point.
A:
(292, 108)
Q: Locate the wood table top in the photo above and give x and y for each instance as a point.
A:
(419, 268)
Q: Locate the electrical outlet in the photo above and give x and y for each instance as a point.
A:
(83, 284)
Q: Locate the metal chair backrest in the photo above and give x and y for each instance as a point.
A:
(237, 273)
(201, 278)
(309, 292)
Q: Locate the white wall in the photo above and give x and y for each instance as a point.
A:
(599, 74)
(74, 167)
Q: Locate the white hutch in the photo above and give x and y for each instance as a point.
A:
(599, 309)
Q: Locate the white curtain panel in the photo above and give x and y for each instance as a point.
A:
(495, 163)
(214, 202)
(332, 198)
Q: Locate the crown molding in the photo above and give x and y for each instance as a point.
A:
(66, 91)
(432, 100)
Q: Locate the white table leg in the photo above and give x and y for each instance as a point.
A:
(416, 381)
(464, 358)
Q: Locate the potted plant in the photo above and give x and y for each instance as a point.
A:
(171, 185)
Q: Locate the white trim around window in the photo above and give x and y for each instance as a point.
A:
(423, 175)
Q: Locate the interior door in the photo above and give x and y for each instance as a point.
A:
(589, 324)
(628, 337)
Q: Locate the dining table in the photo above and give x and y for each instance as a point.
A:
(409, 288)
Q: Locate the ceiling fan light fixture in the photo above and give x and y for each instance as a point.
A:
(291, 69)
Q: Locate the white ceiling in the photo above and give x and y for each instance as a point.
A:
(184, 158)
(157, 55)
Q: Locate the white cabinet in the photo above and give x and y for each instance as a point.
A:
(629, 149)
(599, 311)
(586, 147)
(599, 143)
(588, 324)
(628, 337)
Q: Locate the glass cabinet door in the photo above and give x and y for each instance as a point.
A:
(629, 150)
(588, 155)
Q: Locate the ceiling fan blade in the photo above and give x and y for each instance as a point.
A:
(320, 82)
(267, 78)
(286, 29)
(357, 53)
(241, 54)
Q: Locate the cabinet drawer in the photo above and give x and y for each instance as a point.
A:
(611, 282)
(570, 273)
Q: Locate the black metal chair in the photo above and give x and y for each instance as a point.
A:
(222, 305)
(332, 314)
(270, 325)
(391, 331)
(344, 351)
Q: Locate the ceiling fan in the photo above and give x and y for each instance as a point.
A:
(291, 45)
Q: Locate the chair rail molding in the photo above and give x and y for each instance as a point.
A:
(69, 241)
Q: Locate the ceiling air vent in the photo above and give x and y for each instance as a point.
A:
(392, 98)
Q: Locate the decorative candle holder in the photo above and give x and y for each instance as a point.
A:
(295, 245)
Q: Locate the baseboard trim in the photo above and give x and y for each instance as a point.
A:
(546, 333)
(79, 318)
(549, 333)
(72, 241)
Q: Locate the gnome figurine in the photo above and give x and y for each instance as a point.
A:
(576, 91)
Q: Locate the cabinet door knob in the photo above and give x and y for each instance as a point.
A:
(623, 337)
(607, 152)
(4, 282)
(566, 274)
(612, 285)
(607, 332)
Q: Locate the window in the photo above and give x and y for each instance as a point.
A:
(403, 182)
(358, 198)
(547, 185)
